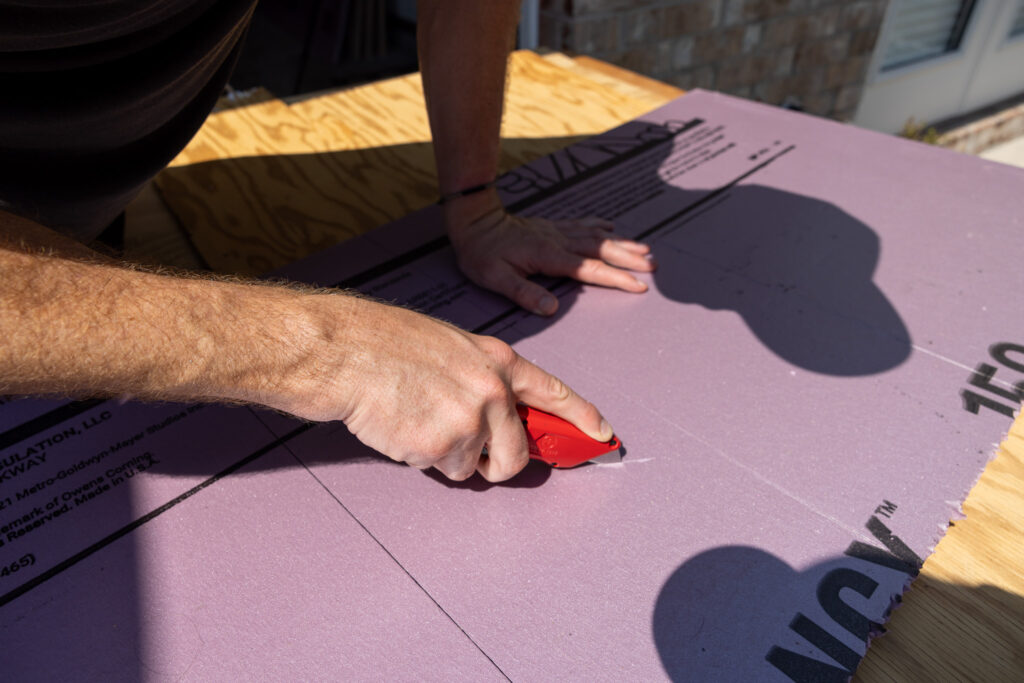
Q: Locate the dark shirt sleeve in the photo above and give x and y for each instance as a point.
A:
(96, 96)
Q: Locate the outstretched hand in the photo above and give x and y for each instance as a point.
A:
(499, 251)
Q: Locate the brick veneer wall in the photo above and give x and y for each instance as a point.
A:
(814, 53)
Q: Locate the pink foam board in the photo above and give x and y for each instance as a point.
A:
(410, 232)
(183, 572)
(768, 340)
(328, 268)
(77, 481)
(876, 432)
(791, 395)
(582, 574)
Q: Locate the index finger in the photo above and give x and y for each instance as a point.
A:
(542, 390)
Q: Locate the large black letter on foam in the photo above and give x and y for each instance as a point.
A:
(806, 669)
(803, 669)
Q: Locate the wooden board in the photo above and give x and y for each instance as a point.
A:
(153, 235)
(963, 618)
(259, 187)
(623, 81)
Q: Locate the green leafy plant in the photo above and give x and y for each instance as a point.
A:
(920, 131)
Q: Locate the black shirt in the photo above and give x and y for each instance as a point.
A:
(96, 96)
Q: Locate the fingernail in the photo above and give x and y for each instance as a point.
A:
(606, 430)
(546, 306)
(650, 259)
(642, 285)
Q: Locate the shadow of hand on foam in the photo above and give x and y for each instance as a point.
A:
(798, 269)
(331, 443)
(533, 475)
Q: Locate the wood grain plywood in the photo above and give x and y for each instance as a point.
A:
(963, 618)
(623, 81)
(263, 185)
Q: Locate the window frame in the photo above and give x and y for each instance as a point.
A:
(969, 27)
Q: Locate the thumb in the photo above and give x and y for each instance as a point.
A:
(504, 280)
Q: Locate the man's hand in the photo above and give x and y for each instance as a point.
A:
(499, 250)
(427, 393)
(464, 46)
(414, 388)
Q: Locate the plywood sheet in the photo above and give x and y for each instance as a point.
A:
(963, 617)
(263, 185)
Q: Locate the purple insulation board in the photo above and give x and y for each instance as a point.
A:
(815, 380)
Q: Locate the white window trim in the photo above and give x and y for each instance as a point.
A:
(877, 75)
(1011, 38)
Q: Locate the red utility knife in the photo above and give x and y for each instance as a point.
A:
(560, 444)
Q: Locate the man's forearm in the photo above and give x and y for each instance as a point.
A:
(76, 324)
(464, 47)
(79, 325)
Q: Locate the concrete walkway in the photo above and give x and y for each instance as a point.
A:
(1010, 152)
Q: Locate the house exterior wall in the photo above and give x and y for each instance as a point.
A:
(814, 53)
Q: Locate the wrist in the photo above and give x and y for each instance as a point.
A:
(462, 212)
(299, 353)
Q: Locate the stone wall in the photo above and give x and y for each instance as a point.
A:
(811, 53)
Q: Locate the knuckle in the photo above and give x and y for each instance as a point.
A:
(460, 474)
(589, 246)
(492, 389)
(523, 290)
(591, 267)
(499, 351)
(493, 476)
(488, 278)
(435, 448)
(567, 260)
(518, 465)
(558, 389)
(507, 468)
(464, 425)
(433, 451)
